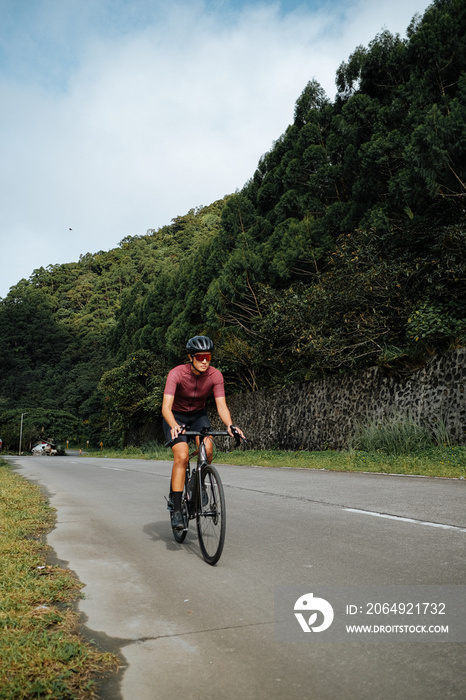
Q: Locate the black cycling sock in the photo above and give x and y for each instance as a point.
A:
(176, 495)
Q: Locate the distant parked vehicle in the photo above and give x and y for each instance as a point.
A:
(44, 448)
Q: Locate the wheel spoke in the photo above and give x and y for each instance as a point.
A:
(211, 516)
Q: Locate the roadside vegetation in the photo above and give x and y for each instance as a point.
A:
(395, 445)
(41, 653)
(345, 249)
(447, 462)
(374, 451)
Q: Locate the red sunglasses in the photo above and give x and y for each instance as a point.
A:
(200, 357)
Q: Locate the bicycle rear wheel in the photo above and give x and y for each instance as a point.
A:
(210, 518)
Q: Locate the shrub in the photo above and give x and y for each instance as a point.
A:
(395, 434)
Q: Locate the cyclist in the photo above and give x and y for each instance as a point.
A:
(186, 391)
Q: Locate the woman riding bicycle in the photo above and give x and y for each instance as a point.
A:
(186, 391)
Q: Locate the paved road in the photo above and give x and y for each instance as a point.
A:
(187, 629)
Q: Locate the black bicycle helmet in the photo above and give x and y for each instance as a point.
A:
(200, 343)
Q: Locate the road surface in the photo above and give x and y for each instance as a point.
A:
(186, 629)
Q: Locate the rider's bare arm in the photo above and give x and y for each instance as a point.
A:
(224, 413)
(167, 413)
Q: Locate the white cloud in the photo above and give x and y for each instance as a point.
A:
(156, 121)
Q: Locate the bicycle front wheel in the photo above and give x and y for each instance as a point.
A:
(210, 516)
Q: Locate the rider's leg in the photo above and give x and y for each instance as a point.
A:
(180, 462)
(209, 446)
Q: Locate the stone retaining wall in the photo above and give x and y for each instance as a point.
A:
(322, 414)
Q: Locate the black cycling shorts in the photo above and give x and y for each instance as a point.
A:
(196, 420)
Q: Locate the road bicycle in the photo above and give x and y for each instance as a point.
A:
(203, 499)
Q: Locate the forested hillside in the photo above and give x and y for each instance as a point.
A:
(346, 248)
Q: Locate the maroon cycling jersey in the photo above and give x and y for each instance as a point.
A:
(191, 390)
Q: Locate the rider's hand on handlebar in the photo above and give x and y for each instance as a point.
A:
(176, 430)
(236, 433)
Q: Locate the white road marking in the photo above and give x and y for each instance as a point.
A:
(116, 469)
(405, 520)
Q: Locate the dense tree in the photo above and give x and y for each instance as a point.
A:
(345, 249)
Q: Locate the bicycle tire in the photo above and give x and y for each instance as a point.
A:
(180, 535)
(211, 518)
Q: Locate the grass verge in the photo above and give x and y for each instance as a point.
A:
(41, 653)
(448, 462)
(436, 461)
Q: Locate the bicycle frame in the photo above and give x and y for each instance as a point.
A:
(203, 499)
(193, 476)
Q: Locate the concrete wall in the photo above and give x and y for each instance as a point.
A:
(322, 414)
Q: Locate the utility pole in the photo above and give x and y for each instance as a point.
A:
(21, 431)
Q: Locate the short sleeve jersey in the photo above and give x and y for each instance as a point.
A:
(191, 390)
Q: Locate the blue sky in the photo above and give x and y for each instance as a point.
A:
(119, 115)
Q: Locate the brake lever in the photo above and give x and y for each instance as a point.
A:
(170, 442)
(237, 436)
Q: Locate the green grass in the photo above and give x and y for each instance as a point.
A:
(152, 450)
(400, 434)
(447, 462)
(41, 654)
(440, 461)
